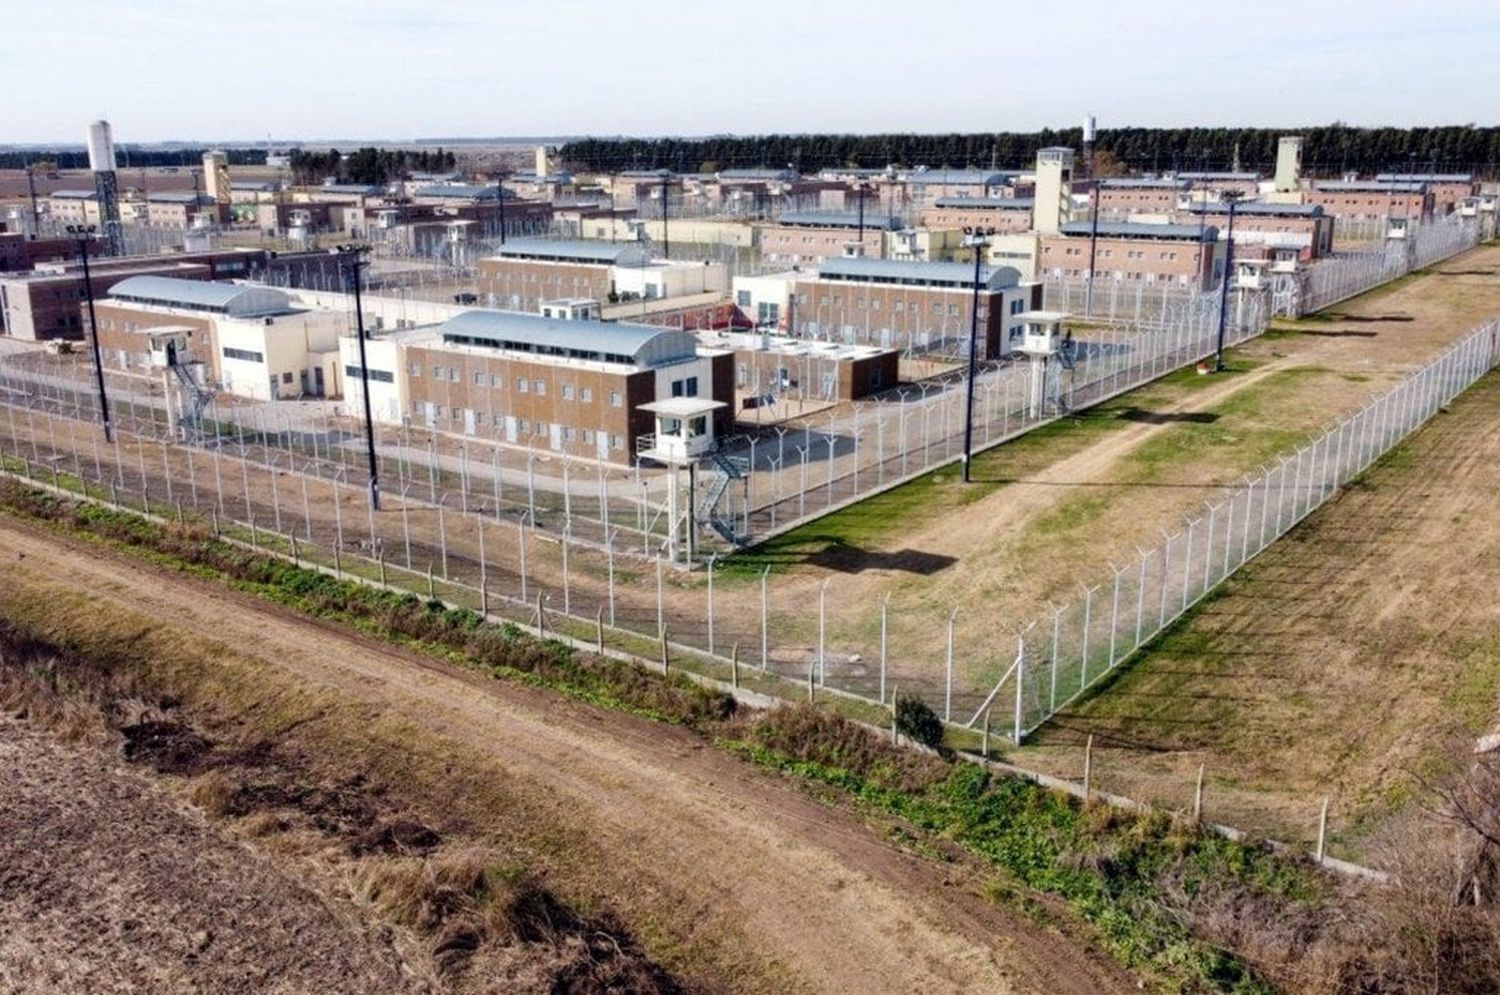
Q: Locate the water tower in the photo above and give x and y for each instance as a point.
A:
(101, 145)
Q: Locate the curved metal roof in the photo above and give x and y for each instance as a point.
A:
(233, 299)
(574, 251)
(596, 341)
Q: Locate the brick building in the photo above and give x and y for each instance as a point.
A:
(1004, 214)
(1185, 254)
(910, 305)
(1448, 189)
(1354, 199)
(1307, 226)
(20, 252)
(1140, 195)
(574, 387)
(800, 237)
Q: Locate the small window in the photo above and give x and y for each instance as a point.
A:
(614, 399)
(479, 379)
(691, 387)
(438, 373)
(415, 370)
(586, 394)
(567, 392)
(286, 378)
(453, 374)
(539, 386)
(523, 385)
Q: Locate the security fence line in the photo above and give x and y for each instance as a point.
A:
(1064, 653)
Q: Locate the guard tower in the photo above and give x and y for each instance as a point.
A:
(684, 433)
(184, 379)
(1398, 238)
(1050, 349)
(1250, 274)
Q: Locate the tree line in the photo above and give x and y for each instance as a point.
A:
(1327, 150)
(125, 158)
(370, 166)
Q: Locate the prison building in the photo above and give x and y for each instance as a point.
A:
(177, 209)
(253, 341)
(44, 303)
(642, 188)
(1140, 195)
(1448, 189)
(800, 237)
(1003, 214)
(925, 186)
(1244, 184)
(1355, 199)
(527, 271)
(770, 367)
(911, 306)
(20, 252)
(1306, 226)
(1189, 255)
(73, 207)
(574, 387)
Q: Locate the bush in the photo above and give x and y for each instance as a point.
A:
(916, 720)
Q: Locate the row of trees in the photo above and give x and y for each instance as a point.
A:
(126, 157)
(1328, 150)
(368, 165)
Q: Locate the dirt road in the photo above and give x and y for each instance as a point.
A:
(90, 849)
(807, 887)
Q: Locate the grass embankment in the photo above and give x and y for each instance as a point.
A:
(1192, 912)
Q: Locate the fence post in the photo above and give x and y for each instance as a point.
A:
(1088, 766)
(541, 616)
(1020, 685)
(599, 629)
(382, 565)
(1322, 831)
(765, 620)
(948, 689)
(734, 665)
(431, 583)
(885, 608)
(1198, 797)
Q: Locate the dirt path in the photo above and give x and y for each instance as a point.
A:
(106, 885)
(808, 886)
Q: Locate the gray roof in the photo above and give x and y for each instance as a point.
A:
(458, 191)
(988, 203)
(1262, 208)
(73, 194)
(359, 188)
(597, 341)
(646, 174)
(232, 299)
(269, 186)
(1142, 182)
(1219, 176)
(530, 176)
(757, 174)
(1368, 186)
(988, 177)
(1131, 229)
(917, 274)
(1427, 177)
(179, 197)
(574, 251)
(836, 219)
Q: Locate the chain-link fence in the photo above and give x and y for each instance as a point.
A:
(1061, 655)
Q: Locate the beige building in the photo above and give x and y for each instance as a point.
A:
(1190, 255)
(807, 237)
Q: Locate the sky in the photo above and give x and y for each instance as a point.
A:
(347, 69)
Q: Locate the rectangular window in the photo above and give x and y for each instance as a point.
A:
(691, 388)
(567, 392)
(585, 394)
(742, 298)
(415, 370)
(438, 373)
(523, 385)
(286, 378)
(453, 374)
(614, 399)
(539, 386)
(522, 425)
(479, 379)
(497, 381)
(246, 355)
(616, 442)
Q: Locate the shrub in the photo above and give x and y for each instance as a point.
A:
(916, 720)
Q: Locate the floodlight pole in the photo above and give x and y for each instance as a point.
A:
(977, 240)
(83, 236)
(666, 242)
(860, 189)
(500, 202)
(1088, 302)
(352, 254)
(1230, 197)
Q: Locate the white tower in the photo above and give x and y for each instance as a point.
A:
(1289, 164)
(1043, 340)
(101, 146)
(1054, 176)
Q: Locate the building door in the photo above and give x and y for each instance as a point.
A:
(556, 433)
(318, 386)
(275, 388)
(171, 353)
(429, 413)
(468, 421)
(510, 428)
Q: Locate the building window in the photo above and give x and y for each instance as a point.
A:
(286, 378)
(415, 370)
(479, 379)
(539, 386)
(523, 385)
(438, 373)
(245, 355)
(585, 394)
(453, 374)
(614, 399)
(567, 392)
(523, 425)
(742, 298)
(616, 442)
(497, 382)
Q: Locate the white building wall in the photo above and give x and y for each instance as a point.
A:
(388, 401)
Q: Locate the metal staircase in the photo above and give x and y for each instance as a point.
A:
(727, 469)
(199, 393)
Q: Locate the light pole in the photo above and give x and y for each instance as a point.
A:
(1088, 301)
(83, 235)
(977, 239)
(500, 202)
(1230, 197)
(353, 255)
(859, 189)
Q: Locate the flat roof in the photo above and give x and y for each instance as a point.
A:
(1142, 183)
(1138, 229)
(576, 250)
(836, 219)
(598, 341)
(1427, 177)
(73, 194)
(457, 191)
(179, 197)
(1367, 186)
(359, 188)
(988, 203)
(1210, 175)
(757, 174)
(683, 407)
(1260, 207)
(917, 273)
(235, 300)
(988, 177)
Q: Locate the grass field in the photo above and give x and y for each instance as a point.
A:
(1356, 659)
(1052, 509)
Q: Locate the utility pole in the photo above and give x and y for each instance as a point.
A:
(1088, 303)
(83, 235)
(859, 187)
(1230, 197)
(500, 202)
(977, 239)
(352, 254)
